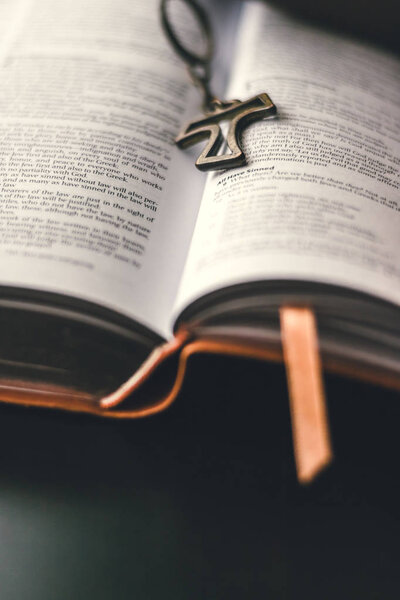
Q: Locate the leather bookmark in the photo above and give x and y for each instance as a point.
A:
(155, 359)
(311, 439)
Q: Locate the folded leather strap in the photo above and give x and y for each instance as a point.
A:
(156, 358)
(311, 438)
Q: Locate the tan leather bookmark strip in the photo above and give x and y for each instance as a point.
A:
(145, 371)
(311, 437)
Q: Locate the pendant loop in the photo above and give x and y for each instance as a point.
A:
(199, 66)
(201, 77)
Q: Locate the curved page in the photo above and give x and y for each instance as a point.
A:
(319, 199)
(96, 202)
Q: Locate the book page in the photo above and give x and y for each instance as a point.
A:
(319, 199)
(96, 201)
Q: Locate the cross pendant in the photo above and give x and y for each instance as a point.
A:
(240, 114)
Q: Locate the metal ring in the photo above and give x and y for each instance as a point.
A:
(191, 58)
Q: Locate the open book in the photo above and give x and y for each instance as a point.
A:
(113, 244)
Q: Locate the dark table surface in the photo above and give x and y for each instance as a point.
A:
(202, 503)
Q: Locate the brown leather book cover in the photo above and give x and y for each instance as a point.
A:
(157, 383)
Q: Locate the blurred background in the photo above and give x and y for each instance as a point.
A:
(375, 20)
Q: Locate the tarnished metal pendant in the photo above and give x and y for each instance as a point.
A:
(239, 114)
(207, 127)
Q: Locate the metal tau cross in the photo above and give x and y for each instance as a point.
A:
(207, 127)
(240, 114)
